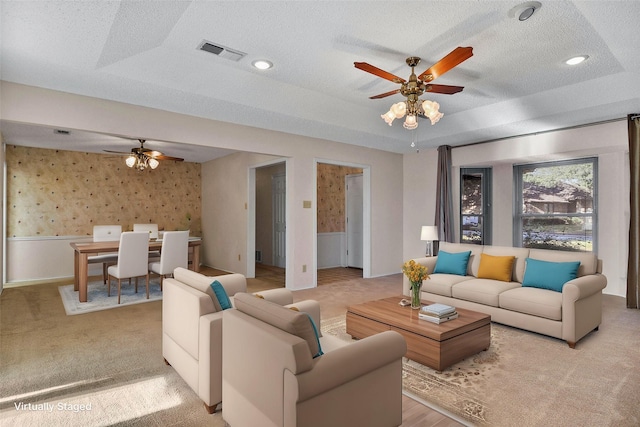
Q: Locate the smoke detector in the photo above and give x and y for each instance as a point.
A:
(221, 51)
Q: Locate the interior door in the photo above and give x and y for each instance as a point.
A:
(354, 192)
(279, 194)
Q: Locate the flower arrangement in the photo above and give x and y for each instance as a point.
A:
(416, 273)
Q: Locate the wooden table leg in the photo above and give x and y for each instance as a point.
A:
(196, 258)
(83, 276)
(76, 268)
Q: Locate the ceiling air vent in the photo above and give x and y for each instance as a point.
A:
(221, 51)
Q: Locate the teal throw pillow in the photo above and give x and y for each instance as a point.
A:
(452, 263)
(315, 330)
(221, 294)
(549, 275)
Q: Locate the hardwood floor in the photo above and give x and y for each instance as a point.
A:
(414, 413)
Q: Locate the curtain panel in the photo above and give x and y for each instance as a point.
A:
(633, 267)
(444, 195)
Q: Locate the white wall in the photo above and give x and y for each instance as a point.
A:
(223, 235)
(609, 142)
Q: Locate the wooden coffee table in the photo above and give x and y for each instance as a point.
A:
(433, 345)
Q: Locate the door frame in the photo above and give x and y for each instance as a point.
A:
(366, 215)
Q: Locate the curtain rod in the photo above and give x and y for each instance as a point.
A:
(546, 131)
(634, 116)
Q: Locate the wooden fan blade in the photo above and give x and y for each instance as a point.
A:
(384, 95)
(457, 56)
(118, 152)
(378, 72)
(163, 157)
(445, 89)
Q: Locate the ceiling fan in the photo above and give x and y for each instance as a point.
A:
(141, 157)
(413, 88)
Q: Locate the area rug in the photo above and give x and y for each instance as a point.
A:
(97, 298)
(527, 379)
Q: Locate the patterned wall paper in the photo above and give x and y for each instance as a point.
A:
(331, 197)
(66, 193)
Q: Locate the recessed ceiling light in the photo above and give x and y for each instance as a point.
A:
(576, 60)
(262, 64)
(524, 11)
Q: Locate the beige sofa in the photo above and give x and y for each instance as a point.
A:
(271, 378)
(192, 327)
(568, 315)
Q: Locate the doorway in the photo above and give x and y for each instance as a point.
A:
(270, 203)
(342, 219)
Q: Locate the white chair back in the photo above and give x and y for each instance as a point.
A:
(106, 233)
(151, 229)
(133, 254)
(175, 251)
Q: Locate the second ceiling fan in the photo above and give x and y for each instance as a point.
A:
(413, 88)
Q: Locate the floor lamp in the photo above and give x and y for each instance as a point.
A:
(430, 235)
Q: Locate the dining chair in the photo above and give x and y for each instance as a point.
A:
(133, 260)
(152, 229)
(174, 254)
(105, 233)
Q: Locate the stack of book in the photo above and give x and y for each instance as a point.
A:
(437, 313)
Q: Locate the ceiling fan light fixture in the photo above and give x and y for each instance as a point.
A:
(388, 117)
(153, 163)
(131, 161)
(399, 109)
(411, 122)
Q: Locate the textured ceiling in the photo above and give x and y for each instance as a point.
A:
(145, 53)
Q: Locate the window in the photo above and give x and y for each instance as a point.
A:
(475, 206)
(556, 205)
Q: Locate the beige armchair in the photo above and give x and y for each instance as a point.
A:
(271, 378)
(192, 327)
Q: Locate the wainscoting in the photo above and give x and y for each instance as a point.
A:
(41, 258)
(332, 250)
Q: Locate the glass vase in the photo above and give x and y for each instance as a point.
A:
(415, 295)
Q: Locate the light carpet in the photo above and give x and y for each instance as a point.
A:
(527, 379)
(97, 298)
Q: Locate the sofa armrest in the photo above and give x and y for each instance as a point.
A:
(583, 287)
(347, 363)
(312, 308)
(210, 359)
(280, 296)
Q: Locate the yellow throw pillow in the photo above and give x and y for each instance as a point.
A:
(496, 267)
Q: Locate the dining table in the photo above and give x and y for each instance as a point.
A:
(83, 250)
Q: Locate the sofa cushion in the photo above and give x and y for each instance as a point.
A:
(474, 259)
(482, 291)
(441, 283)
(496, 267)
(452, 263)
(549, 275)
(520, 253)
(588, 260)
(533, 301)
(293, 322)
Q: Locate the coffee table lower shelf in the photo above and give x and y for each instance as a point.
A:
(433, 345)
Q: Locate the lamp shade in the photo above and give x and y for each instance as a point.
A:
(429, 233)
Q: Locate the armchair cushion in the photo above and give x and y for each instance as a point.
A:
(221, 295)
(294, 322)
